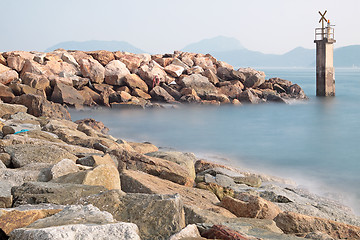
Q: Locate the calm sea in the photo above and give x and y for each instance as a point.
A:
(316, 142)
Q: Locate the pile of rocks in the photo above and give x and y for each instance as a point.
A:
(66, 180)
(120, 79)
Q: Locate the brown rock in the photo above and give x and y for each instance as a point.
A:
(11, 109)
(6, 93)
(96, 160)
(160, 94)
(102, 56)
(172, 91)
(164, 61)
(211, 76)
(79, 55)
(16, 62)
(32, 67)
(134, 81)
(225, 233)
(248, 96)
(158, 167)
(222, 98)
(205, 63)
(66, 94)
(254, 81)
(295, 223)
(123, 88)
(174, 70)
(96, 125)
(131, 61)
(13, 219)
(139, 182)
(8, 76)
(143, 148)
(149, 71)
(141, 94)
(91, 98)
(61, 69)
(92, 69)
(218, 190)
(250, 206)
(194, 70)
(25, 89)
(115, 71)
(3, 60)
(36, 81)
(232, 90)
(103, 175)
(39, 106)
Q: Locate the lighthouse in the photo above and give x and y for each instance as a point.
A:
(325, 73)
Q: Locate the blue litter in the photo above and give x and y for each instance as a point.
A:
(21, 131)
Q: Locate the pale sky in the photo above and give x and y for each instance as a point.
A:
(162, 26)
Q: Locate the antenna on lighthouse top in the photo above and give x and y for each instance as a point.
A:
(322, 19)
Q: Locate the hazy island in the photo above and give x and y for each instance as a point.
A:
(67, 180)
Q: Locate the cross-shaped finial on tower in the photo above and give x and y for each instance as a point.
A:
(322, 19)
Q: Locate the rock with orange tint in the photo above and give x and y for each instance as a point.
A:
(102, 56)
(92, 69)
(134, 82)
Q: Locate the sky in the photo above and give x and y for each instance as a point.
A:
(162, 26)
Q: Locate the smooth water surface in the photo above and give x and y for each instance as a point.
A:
(315, 142)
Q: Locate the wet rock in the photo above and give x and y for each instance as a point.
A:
(102, 56)
(40, 192)
(38, 106)
(115, 72)
(102, 175)
(160, 94)
(294, 223)
(199, 83)
(66, 94)
(111, 231)
(157, 216)
(93, 70)
(295, 91)
(134, 82)
(250, 206)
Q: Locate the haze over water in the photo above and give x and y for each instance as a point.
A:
(315, 142)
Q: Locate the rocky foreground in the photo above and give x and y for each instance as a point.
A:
(123, 80)
(71, 180)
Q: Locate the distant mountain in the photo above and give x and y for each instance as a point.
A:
(96, 45)
(219, 44)
(231, 51)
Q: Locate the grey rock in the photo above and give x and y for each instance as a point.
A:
(160, 94)
(115, 71)
(2, 165)
(74, 214)
(199, 83)
(63, 167)
(19, 176)
(190, 231)
(56, 193)
(5, 194)
(157, 216)
(224, 180)
(112, 231)
(248, 96)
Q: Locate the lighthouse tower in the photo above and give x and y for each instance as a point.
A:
(325, 73)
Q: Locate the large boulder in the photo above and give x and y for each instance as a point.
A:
(250, 206)
(23, 154)
(294, 223)
(143, 148)
(39, 106)
(102, 56)
(174, 70)
(159, 167)
(248, 96)
(211, 76)
(7, 74)
(110, 231)
(157, 216)
(48, 192)
(96, 125)
(102, 175)
(11, 109)
(131, 61)
(68, 58)
(115, 71)
(6, 94)
(199, 83)
(189, 232)
(205, 63)
(139, 182)
(64, 167)
(134, 81)
(96, 160)
(254, 81)
(185, 160)
(160, 94)
(150, 71)
(92, 69)
(66, 94)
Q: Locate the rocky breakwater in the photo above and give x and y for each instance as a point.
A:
(126, 80)
(66, 180)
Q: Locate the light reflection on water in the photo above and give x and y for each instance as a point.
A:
(312, 142)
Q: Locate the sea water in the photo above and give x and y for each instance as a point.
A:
(314, 142)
